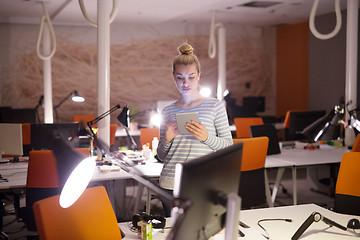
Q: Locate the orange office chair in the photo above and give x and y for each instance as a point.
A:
(147, 135)
(26, 136)
(90, 217)
(42, 181)
(347, 191)
(83, 118)
(254, 187)
(356, 146)
(243, 125)
(113, 128)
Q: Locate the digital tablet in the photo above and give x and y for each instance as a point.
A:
(183, 118)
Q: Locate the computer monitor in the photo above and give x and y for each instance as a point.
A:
(267, 130)
(18, 115)
(11, 139)
(298, 121)
(199, 181)
(42, 134)
(254, 104)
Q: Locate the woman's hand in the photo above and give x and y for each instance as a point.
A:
(198, 130)
(170, 132)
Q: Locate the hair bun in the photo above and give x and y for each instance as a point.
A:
(186, 49)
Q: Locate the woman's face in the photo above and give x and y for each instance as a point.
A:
(186, 79)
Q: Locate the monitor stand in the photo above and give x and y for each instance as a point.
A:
(232, 216)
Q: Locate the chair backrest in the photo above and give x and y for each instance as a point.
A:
(113, 128)
(26, 133)
(356, 146)
(84, 118)
(347, 191)
(90, 217)
(267, 130)
(147, 135)
(252, 180)
(42, 169)
(254, 152)
(42, 180)
(243, 125)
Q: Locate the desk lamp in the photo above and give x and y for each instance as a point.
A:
(124, 118)
(328, 127)
(75, 97)
(97, 119)
(40, 103)
(79, 171)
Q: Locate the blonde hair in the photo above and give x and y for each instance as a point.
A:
(186, 57)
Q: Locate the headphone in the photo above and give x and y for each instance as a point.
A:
(316, 217)
(156, 221)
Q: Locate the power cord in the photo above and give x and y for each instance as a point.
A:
(266, 235)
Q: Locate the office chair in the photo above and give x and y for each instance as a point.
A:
(26, 136)
(42, 182)
(243, 125)
(347, 191)
(113, 128)
(254, 187)
(147, 135)
(356, 146)
(90, 217)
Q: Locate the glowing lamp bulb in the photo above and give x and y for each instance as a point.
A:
(77, 182)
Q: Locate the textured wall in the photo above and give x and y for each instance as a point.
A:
(140, 66)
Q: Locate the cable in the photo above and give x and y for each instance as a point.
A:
(212, 41)
(312, 21)
(91, 20)
(46, 18)
(266, 235)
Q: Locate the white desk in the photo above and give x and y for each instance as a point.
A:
(278, 230)
(296, 157)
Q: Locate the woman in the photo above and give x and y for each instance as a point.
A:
(211, 133)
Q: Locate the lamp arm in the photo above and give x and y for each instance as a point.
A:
(62, 101)
(92, 122)
(133, 143)
(119, 159)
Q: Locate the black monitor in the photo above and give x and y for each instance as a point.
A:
(200, 181)
(267, 130)
(254, 104)
(42, 134)
(298, 121)
(18, 115)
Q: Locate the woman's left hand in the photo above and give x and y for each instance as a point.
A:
(198, 130)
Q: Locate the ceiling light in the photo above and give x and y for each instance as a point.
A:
(259, 4)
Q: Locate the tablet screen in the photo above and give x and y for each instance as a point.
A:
(183, 118)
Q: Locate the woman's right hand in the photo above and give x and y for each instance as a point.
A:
(171, 131)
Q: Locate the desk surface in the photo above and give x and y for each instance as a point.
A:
(16, 173)
(301, 157)
(278, 230)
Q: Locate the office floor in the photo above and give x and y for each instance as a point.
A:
(16, 230)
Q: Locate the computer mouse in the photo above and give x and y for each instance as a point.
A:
(354, 223)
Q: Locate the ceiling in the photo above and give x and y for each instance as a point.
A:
(68, 12)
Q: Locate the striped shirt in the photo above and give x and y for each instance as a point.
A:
(184, 147)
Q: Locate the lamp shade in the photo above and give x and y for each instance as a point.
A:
(76, 97)
(74, 171)
(123, 117)
(326, 128)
